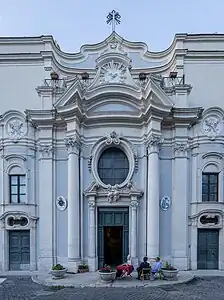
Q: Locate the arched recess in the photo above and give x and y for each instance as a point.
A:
(211, 162)
(15, 180)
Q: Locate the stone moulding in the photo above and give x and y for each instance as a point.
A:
(113, 139)
(113, 193)
(216, 214)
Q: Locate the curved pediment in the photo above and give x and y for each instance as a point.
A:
(113, 107)
(138, 52)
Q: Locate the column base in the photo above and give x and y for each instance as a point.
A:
(92, 263)
(135, 262)
(181, 263)
(73, 265)
(45, 263)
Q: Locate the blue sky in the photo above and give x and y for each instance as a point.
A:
(77, 22)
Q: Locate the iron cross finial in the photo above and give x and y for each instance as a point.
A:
(113, 18)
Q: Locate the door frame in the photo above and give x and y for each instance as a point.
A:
(217, 246)
(19, 230)
(4, 232)
(112, 209)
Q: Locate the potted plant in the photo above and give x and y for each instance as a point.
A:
(107, 274)
(58, 271)
(169, 272)
(83, 268)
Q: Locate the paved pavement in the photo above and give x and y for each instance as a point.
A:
(23, 288)
(91, 279)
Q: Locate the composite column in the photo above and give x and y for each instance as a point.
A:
(134, 205)
(73, 147)
(92, 235)
(153, 197)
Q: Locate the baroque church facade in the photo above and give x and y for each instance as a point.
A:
(111, 151)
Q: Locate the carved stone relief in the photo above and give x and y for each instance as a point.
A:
(209, 219)
(181, 147)
(113, 138)
(212, 126)
(18, 220)
(16, 129)
(113, 193)
(61, 203)
(45, 149)
(113, 72)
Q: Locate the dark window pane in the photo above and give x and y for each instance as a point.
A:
(204, 197)
(17, 188)
(113, 166)
(210, 186)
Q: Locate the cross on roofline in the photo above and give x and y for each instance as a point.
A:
(113, 19)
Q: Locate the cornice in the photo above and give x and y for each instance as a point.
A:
(41, 117)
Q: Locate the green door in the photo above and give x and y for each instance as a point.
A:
(208, 249)
(19, 249)
(112, 217)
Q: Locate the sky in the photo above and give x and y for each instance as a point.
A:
(76, 22)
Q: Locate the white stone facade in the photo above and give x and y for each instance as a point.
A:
(60, 112)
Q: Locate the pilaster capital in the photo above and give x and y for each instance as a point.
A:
(181, 148)
(46, 151)
(92, 204)
(134, 204)
(153, 143)
(73, 144)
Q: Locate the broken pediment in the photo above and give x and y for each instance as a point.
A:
(113, 193)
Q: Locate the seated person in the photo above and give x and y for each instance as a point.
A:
(125, 269)
(156, 267)
(142, 265)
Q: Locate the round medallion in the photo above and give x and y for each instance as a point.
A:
(212, 126)
(61, 203)
(165, 203)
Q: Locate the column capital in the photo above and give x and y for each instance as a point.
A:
(134, 204)
(72, 143)
(153, 143)
(46, 151)
(181, 149)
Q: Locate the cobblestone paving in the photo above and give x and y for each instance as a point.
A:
(22, 288)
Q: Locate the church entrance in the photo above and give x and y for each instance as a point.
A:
(113, 232)
(113, 239)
